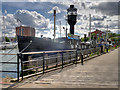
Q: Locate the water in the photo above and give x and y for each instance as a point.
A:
(8, 67)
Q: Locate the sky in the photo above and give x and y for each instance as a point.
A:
(39, 14)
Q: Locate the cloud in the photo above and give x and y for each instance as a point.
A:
(108, 8)
(31, 18)
(36, 14)
(10, 21)
(98, 17)
(27, 18)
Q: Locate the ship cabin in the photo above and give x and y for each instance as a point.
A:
(74, 41)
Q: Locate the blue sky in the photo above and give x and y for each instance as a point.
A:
(40, 16)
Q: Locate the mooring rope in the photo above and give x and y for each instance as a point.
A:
(26, 47)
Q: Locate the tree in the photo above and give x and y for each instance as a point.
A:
(7, 39)
(114, 34)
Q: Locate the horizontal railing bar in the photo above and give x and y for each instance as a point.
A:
(9, 71)
(32, 68)
(47, 52)
(45, 64)
(9, 62)
(7, 54)
(32, 61)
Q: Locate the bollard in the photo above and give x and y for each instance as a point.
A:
(81, 59)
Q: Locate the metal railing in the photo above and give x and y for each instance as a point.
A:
(52, 59)
(48, 60)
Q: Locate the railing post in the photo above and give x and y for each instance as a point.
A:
(107, 49)
(81, 59)
(56, 59)
(43, 63)
(62, 60)
(21, 56)
(70, 56)
(76, 57)
(18, 67)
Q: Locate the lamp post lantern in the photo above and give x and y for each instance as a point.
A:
(72, 14)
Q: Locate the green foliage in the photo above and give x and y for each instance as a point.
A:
(15, 38)
(98, 39)
(115, 39)
(118, 34)
(93, 34)
(114, 34)
(83, 39)
(7, 39)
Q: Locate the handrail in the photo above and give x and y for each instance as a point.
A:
(47, 52)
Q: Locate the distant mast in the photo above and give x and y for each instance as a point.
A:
(90, 25)
(3, 31)
(4, 26)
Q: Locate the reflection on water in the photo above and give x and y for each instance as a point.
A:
(8, 58)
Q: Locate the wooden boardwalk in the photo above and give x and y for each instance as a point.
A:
(99, 72)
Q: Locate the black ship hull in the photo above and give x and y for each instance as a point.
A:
(34, 44)
(42, 44)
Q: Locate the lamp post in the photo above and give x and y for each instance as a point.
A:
(72, 14)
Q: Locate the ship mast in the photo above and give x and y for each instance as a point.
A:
(66, 25)
(54, 23)
(60, 28)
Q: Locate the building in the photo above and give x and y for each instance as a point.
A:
(25, 31)
(97, 33)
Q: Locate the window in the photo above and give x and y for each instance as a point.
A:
(19, 31)
(22, 32)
